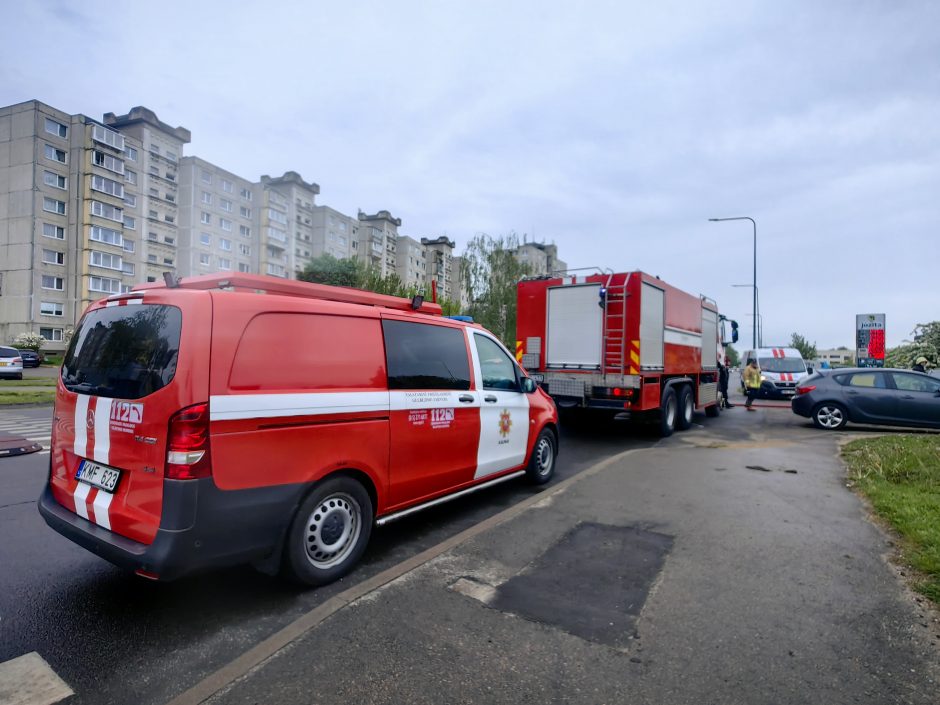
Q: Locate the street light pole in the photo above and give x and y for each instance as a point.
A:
(754, 224)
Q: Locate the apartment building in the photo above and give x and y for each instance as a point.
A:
(441, 264)
(217, 220)
(411, 262)
(285, 224)
(378, 241)
(334, 233)
(542, 259)
(157, 179)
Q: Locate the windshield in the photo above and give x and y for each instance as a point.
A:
(123, 351)
(782, 364)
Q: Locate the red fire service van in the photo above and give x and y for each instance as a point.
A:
(222, 420)
(627, 342)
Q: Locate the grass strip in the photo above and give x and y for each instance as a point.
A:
(900, 476)
(12, 398)
(34, 382)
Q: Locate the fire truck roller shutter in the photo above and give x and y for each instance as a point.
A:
(652, 326)
(574, 326)
(709, 339)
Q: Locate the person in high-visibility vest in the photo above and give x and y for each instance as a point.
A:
(751, 382)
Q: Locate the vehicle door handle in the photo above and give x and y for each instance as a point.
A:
(908, 396)
(490, 398)
(849, 391)
(465, 398)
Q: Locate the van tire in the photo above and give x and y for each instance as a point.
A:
(686, 408)
(329, 532)
(541, 465)
(668, 411)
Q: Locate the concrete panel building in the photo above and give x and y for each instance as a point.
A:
(411, 262)
(542, 259)
(334, 233)
(286, 224)
(441, 264)
(378, 241)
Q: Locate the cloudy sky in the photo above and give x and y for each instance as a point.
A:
(613, 129)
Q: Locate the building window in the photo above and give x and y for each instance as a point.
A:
(102, 134)
(51, 334)
(225, 205)
(244, 211)
(53, 283)
(169, 240)
(130, 200)
(225, 244)
(50, 178)
(243, 268)
(168, 261)
(56, 155)
(244, 231)
(128, 268)
(54, 231)
(106, 235)
(56, 128)
(112, 188)
(130, 223)
(53, 257)
(155, 149)
(245, 250)
(106, 260)
(205, 238)
(246, 194)
(225, 263)
(204, 259)
(108, 161)
(152, 259)
(226, 224)
(129, 246)
(53, 206)
(130, 177)
(104, 284)
(104, 210)
(228, 186)
(277, 216)
(171, 155)
(205, 218)
(207, 198)
(131, 153)
(206, 177)
(51, 308)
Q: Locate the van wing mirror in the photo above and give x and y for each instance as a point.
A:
(529, 385)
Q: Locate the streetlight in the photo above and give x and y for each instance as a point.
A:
(759, 321)
(744, 217)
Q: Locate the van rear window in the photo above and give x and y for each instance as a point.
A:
(125, 352)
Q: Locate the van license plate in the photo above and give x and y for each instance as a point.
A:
(100, 476)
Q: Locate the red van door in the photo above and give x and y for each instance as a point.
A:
(434, 414)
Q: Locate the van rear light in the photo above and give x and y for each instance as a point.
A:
(187, 448)
(805, 390)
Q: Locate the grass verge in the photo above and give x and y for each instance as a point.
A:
(35, 382)
(900, 475)
(13, 397)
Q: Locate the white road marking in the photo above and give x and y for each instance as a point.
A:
(29, 680)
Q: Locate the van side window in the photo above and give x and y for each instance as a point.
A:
(422, 356)
(309, 351)
(498, 370)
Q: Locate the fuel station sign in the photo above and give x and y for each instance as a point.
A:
(870, 339)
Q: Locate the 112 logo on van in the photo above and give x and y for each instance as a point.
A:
(125, 415)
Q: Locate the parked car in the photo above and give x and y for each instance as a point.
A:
(176, 448)
(11, 364)
(31, 358)
(886, 397)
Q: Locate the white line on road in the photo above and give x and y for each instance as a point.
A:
(29, 680)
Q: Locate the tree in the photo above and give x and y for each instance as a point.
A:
(491, 272)
(29, 341)
(807, 349)
(327, 269)
(926, 343)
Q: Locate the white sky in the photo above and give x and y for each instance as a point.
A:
(614, 129)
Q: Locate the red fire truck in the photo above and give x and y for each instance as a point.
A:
(626, 342)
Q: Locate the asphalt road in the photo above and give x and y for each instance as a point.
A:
(117, 638)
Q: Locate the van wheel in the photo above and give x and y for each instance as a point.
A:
(686, 408)
(329, 532)
(541, 465)
(668, 411)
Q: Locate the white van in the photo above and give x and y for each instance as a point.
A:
(780, 370)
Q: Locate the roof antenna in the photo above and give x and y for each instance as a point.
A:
(171, 280)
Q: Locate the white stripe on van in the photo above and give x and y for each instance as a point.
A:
(431, 399)
(81, 427)
(81, 494)
(103, 430)
(253, 406)
(101, 505)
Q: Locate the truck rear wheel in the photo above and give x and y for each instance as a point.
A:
(668, 411)
(686, 408)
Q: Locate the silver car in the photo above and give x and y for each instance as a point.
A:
(885, 397)
(11, 364)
